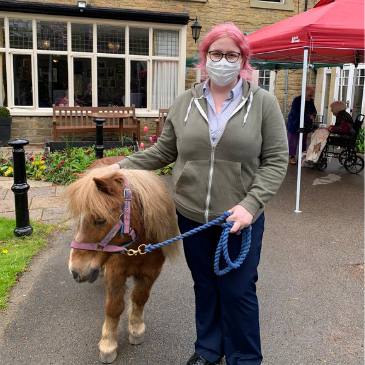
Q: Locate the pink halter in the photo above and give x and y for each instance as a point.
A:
(123, 225)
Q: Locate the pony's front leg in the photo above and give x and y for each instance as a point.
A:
(139, 297)
(114, 307)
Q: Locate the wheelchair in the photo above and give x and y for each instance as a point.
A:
(347, 157)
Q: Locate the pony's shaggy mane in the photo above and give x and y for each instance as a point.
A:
(156, 209)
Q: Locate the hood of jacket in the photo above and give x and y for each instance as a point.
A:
(248, 91)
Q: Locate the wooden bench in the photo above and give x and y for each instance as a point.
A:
(162, 115)
(67, 119)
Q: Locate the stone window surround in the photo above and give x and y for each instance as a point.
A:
(34, 111)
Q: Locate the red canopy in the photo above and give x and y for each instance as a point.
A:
(333, 31)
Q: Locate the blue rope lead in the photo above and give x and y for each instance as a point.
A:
(222, 245)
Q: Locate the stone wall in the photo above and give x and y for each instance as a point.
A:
(40, 130)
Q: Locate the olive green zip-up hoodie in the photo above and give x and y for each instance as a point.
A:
(246, 166)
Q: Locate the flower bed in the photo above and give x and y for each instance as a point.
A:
(60, 167)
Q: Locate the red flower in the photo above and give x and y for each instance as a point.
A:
(51, 171)
(44, 158)
(62, 162)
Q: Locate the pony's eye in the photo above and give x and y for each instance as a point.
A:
(99, 222)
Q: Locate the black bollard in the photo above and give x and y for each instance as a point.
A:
(99, 147)
(20, 189)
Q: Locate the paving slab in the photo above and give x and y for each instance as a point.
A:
(47, 202)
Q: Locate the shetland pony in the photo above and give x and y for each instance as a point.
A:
(96, 201)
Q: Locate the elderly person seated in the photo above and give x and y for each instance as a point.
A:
(344, 127)
(344, 122)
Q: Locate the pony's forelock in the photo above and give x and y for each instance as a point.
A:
(221, 31)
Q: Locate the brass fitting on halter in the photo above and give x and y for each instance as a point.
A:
(140, 251)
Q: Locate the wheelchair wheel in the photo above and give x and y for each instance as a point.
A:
(344, 155)
(354, 164)
(322, 164)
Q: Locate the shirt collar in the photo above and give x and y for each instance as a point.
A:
(232, 94)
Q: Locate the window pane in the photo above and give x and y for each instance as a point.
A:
(138, 41)
(164, 85)
(2, 33)
(3, 90)
(264, 79)
(22, 66)
(82, 37)
(52, 36)
(111, 81)
(111, 39)
(82, 81)
(166, 43)
(52, 79)
(20, 33)
(138, 95)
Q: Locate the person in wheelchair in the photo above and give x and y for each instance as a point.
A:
(344, 125)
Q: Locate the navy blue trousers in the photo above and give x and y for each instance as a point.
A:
(227, 312)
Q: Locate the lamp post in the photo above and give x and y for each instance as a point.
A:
(195, 29)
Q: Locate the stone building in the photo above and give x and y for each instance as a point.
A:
(113, 52)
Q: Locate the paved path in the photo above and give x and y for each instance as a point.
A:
(310, 290)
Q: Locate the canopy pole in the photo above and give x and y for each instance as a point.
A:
(301, 125)
(285, 93)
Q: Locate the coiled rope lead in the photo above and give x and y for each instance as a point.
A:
(222, 245)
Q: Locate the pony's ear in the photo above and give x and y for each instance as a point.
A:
(103, 186)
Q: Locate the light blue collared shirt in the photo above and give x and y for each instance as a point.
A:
(217, 122)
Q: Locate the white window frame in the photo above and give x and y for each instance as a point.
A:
(267, 4)
(36, 111)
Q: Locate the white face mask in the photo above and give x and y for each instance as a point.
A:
(223, 72)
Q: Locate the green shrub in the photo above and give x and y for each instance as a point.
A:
(4, 112)
(360, 141)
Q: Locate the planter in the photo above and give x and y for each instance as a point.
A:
(5, 130)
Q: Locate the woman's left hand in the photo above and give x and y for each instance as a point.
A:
(241, 217)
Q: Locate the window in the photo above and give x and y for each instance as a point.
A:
(23, 84)
(264, 79)
(52, 79)
(52, 36)
(20, 33)
(111, 39)
(111, 82)
(138, 41)
(84, 62)
(82, 37)
(273, 4)
(3, 88)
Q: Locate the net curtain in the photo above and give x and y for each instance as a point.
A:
(165, 73)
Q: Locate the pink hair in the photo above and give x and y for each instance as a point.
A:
(231, 31)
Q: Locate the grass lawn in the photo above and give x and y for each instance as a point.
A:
(16, 253)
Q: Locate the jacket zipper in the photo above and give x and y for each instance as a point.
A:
(211, 168)
(207, 202)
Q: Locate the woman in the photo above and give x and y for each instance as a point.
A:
(344, 122)
(293, 123)
(227, 139)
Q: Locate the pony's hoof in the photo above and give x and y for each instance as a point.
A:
(134, 340)
(108, 359)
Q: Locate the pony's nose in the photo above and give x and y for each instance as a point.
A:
(94, 275)
(75, 275)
